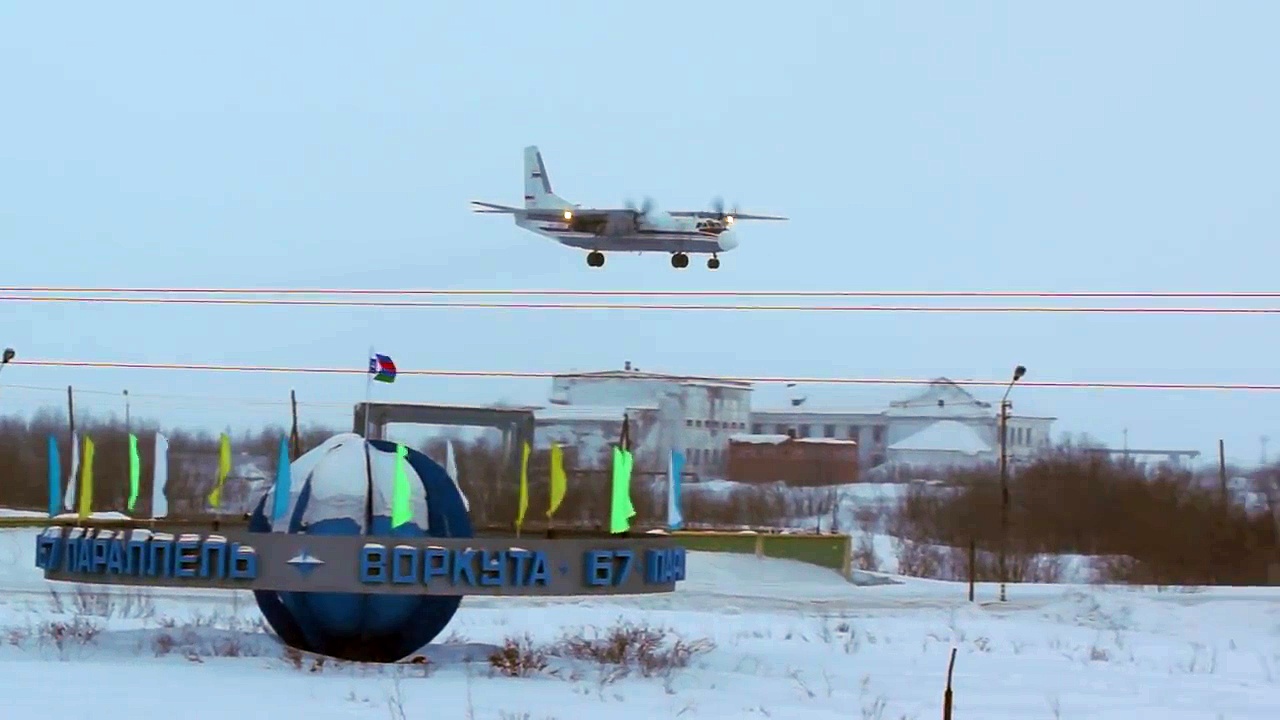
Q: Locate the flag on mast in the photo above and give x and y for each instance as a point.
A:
(224, 469)
(160, 478)
(524, 487)
(55, 475)
(621, 509)
(135, 472)
(284, 479)
(69, 498)
(451, 468)
(559, 481)
(382, 368)
(86, 480)
(675, 519)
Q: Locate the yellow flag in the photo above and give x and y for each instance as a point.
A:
(86, 480)
(524, 487)
(558, 479)
(224, 469)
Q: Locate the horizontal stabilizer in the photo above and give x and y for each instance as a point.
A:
(484, 207)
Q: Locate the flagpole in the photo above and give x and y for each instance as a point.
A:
(368, 393)
(368, 457)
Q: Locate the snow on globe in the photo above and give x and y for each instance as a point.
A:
(328, 495)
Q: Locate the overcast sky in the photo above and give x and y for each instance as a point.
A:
(1089, 146)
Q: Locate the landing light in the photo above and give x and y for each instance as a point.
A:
(728, 219)
(568, 215)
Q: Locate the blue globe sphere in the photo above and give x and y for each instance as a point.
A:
(329, 491)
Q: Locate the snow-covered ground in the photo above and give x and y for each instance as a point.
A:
(790, 641)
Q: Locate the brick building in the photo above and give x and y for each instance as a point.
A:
(795, 461)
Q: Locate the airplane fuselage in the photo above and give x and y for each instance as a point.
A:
(675, 236)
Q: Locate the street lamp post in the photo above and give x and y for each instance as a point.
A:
(1005, 405)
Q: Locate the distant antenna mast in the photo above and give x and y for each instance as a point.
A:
(1263, 442)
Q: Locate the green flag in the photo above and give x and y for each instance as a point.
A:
(401, 508)
(135, 471)
(621, 510)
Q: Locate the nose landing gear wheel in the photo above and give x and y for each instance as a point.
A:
(679, 260)
(595, 258)
(713, 263)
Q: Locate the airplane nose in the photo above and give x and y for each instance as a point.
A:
(727, 241)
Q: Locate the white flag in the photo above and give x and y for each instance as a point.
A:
(451, 467)
(160, 478)
(69, 498)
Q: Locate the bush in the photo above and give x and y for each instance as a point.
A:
(624, 648)
(1160, 528)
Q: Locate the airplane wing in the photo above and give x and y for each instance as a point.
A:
(713, 215)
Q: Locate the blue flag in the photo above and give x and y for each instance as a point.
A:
(55, 477)
(283, 480)
(675, 519)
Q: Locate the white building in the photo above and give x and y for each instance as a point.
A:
(693, 414)
(883, 435)
(942, 424)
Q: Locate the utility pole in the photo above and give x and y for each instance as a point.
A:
(1005, 405)
(1222, 470)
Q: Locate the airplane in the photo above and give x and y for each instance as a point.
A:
(626, 229)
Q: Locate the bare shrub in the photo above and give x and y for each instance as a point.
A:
(864, 554)
(650, 651)
(80, 631)
(920, 559)
(518, 657)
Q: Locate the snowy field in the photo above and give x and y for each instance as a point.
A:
(790, 641)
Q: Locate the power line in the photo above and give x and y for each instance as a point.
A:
(539, 374)
(115, 396)
(481, 305)
(1096, 294)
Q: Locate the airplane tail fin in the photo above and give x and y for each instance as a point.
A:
(537, 186)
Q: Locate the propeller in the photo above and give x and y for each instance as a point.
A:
(645, 207)
(717, 206)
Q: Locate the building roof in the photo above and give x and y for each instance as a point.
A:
(772, 439)
(941, 398)
(802, 410)
(944, 436)
(586, 413)
(633, 374)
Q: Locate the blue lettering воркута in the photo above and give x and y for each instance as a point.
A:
(403, 565)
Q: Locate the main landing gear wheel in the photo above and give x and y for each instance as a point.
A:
(595, 258)
(713, 263)
(679, 260)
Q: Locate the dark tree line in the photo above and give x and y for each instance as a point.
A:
(1166, 526)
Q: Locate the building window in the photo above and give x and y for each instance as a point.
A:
(688, 422)
(829, 431)
(757, 429)
(780, 429)
(802, 430)
(853, 432)
(877, 434)
(1027, 436)
(697, 423)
